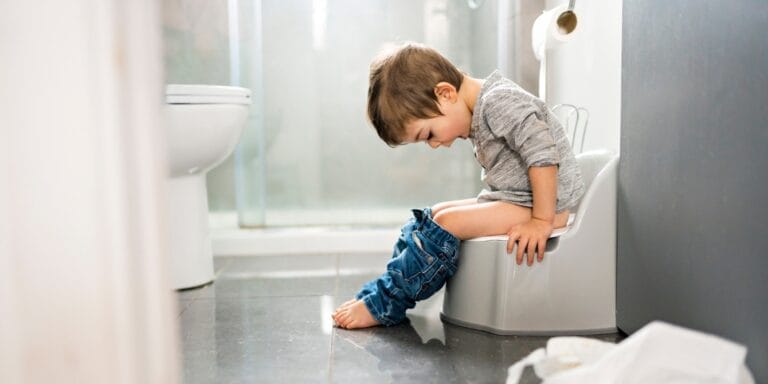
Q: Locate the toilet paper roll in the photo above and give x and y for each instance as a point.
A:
(552, 28)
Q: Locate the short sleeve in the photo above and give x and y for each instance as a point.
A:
(516, 118)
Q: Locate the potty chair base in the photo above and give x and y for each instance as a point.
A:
(571, 292)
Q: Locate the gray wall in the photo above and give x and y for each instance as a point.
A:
(693, 177)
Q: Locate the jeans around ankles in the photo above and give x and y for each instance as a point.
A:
(424, 256)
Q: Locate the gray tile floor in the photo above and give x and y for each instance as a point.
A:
(267, 320)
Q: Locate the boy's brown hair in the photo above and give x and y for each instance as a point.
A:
(401, 88)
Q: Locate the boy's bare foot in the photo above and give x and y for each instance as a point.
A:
(353, 314)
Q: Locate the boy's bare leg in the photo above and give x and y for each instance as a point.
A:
(452, 203)
(465, 221)
(487, 219)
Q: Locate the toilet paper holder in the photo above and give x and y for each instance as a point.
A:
(574, 114)
(566, 21)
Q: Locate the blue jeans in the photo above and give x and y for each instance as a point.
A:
(424, 256)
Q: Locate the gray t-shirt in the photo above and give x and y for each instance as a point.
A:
(513, 130)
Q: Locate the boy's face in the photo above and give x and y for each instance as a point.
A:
(441, 130)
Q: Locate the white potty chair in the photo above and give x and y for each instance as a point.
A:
(573, 291)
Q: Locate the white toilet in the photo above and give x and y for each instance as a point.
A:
(204, 125)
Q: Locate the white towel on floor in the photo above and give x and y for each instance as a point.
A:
(657, 353)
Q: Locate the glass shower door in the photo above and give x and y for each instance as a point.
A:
(309, 156)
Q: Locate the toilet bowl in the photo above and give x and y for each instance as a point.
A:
(204, 123)
(572, 291)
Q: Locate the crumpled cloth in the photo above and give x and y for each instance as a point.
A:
(657, 353)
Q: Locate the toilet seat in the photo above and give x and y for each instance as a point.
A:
(206, 94)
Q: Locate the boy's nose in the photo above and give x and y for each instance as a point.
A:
(437, 144)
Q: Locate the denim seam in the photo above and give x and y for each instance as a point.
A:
(383, 320)
(402, 276)
(430, 279)
(445, 244)
(422, 273)
(445, 251)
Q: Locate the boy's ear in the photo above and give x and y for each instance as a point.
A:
(445, 91)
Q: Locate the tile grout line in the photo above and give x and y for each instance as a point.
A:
(208, 286)
(333, 328)
(185, 308)
(192, 300)
(338, 274)
(216, 275)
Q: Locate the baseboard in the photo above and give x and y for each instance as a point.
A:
(316, 240)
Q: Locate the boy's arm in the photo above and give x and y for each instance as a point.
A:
(533, 235)
(544, 185)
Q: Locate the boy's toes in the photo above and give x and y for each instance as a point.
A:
(343, 320)
(338, 318)
(352, 315)
(342, 306)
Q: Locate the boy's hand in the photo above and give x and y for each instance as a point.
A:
(532, 236)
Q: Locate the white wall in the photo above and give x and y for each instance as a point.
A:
(586, 71)
(84, 296)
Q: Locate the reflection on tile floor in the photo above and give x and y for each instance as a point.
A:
(267, 320)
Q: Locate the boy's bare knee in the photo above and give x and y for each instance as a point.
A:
(439, 207)
(449, 221)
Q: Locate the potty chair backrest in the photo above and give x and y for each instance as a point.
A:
(598, 169)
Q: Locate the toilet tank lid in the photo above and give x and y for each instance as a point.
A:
(206, 94)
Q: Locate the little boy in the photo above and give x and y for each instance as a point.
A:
(417, 95)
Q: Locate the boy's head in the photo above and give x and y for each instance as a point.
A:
(401, 88)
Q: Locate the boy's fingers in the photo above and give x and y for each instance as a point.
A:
(521, 245)
(542, 249)
(511, 242)
(531, 251)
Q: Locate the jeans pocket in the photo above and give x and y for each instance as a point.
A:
(412, 262)
(407, 264)
(428, 248)
(432, 283)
